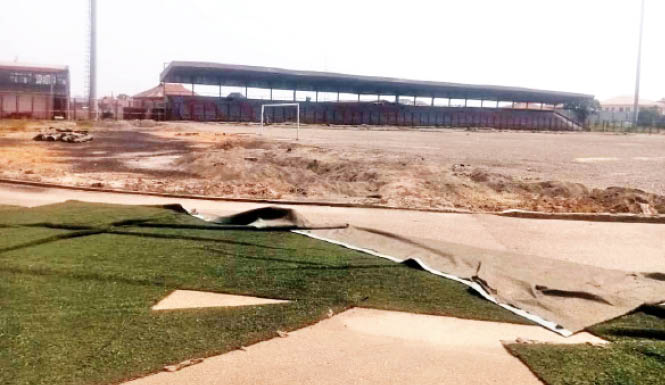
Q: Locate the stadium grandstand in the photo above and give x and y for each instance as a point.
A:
(341, 99)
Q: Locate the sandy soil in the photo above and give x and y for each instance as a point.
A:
(190, 299)
(480, 171)
(363, 346)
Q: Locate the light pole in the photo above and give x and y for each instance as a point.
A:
(636, 105)
(92, 91)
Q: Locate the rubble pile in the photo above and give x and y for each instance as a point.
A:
(63, 135)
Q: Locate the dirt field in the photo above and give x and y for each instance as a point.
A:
(476, 170)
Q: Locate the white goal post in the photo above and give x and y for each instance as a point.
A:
(296, 105)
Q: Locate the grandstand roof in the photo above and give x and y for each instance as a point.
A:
(278, 78)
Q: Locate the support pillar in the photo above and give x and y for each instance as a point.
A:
(220, 91)
(294, 95)
(432, 104)
(317, 98)
(271, 93)
(337, 96)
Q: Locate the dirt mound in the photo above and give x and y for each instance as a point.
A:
(567, 196)
(263, 169)
(626, 200)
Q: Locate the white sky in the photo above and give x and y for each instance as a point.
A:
(585, 46)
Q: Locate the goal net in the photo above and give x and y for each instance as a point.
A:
(265, 118)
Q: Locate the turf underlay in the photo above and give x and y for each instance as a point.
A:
(77, 281)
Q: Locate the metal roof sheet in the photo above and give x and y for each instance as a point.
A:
(279, 78)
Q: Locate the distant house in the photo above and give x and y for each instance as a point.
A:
(34, 91)
(620, 110)
(626, 104)
(150, 104)
(110, 107)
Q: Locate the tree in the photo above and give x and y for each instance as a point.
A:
(650, 117)
(583, 108)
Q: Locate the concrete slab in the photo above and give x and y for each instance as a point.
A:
(189, 299)
(363, 346)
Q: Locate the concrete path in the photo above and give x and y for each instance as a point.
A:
(192, 299)
(623, 246)
(363, 346)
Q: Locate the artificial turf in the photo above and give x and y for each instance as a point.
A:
(77, 281)
(636, 354)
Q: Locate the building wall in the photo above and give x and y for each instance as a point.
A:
(32, 92)
(368, 113)
(24, 105)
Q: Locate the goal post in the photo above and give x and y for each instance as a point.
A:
(263, 113)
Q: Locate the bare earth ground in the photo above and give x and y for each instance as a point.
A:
(480, 171)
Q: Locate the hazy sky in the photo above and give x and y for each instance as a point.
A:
(585, 46)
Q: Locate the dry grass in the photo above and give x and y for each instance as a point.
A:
(16, 125)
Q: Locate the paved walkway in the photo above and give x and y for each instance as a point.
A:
(363, 346)
(623, 246)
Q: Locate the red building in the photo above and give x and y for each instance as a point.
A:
(33, 91)
(150, 104)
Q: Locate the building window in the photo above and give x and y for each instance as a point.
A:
(19, 78)
(43, 79)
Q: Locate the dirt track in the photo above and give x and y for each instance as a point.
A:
(481, 171)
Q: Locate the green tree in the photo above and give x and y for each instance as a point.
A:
(650, 117)
(583, 108)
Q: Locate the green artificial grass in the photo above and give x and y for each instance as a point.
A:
(636, 354)
(77, 281)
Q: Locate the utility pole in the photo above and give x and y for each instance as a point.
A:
(92, 82)
(636, 106)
